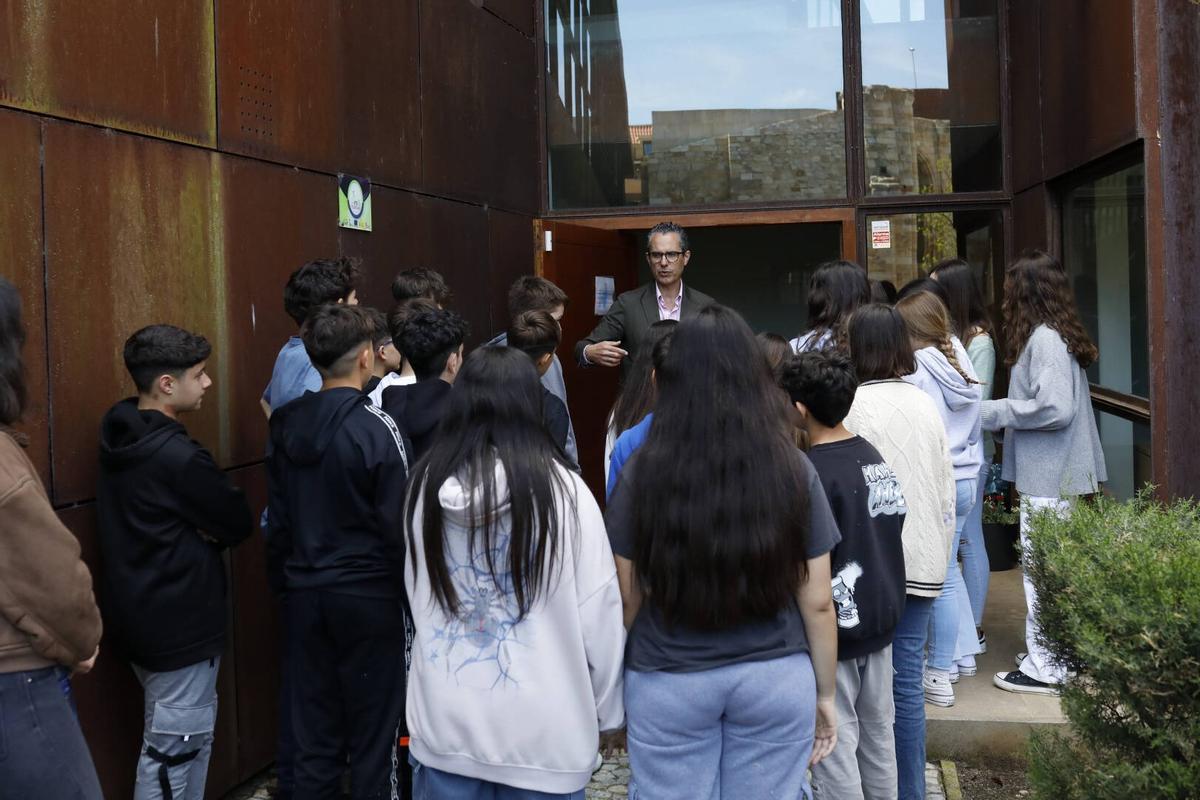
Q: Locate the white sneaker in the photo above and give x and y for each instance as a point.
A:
(965, 666)
(954, 673)
(938, 690)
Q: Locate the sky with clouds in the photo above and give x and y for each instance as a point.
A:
(709, 54)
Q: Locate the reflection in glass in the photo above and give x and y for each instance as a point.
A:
(1104, 247)
(687, 102)
(1127, 454)
(931, 96)
(915, 243)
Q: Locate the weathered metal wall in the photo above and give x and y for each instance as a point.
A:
(174, 162)
(1072, 84)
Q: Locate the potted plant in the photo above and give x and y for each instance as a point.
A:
(1001, 532)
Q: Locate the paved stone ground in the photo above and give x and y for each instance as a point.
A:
(610, 782)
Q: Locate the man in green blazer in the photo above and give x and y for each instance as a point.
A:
(615, 341)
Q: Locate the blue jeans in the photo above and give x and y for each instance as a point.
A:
(943, 626)
(908, 651)
(741, 730)
(975, 566)
(434, 784)
(42, 751)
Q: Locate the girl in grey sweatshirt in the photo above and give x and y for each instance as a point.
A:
(944, 372)
(1051, 446)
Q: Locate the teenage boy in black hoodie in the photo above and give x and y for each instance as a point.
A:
(868, 577)
(166, 512)
(337, 467)
(432, 341)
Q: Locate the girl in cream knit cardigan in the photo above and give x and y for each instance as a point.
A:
(903, 424)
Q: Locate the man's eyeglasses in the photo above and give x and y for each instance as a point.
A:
(671, 256)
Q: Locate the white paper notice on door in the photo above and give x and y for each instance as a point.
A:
(881, 234)
(605, 287)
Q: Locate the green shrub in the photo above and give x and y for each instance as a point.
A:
(1119, 604)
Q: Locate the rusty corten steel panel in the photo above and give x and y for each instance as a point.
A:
(518, 13)
(394, 245)
(139, 65)
(21, 263)
(479, 107)
(1025, 93)
(109, 697)
(1030, 215)
(333, 88)
(1087, 81)
(254, 635)
(132, 238)
(1176, 402)
(455, 238)
(273, 220)
(418, 231)
(511, 246)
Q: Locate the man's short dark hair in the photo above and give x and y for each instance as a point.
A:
(403, 312)
(421, 282)
(665, 228)
(428, 338)
(334, 335)
(383, 335)
(535, 333)
(325, 280)
(533, 293)
(824, 382)
(162, 350)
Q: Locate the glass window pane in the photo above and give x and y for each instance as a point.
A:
(1127, 454)
(1104, 248)
(689, 102)
(931, 96)
(907, 246)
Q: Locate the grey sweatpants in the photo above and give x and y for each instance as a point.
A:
(862, 765)
(180, 717)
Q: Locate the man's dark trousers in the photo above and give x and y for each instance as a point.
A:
(347, 692)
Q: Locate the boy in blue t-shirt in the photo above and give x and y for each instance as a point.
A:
(313, 285)
(868, 576)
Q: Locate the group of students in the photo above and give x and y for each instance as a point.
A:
(749, 617)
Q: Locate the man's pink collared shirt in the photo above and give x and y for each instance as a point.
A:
(663, 311)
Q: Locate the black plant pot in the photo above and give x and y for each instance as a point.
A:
(1000, 539)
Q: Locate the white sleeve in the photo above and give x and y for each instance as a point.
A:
(601, 618)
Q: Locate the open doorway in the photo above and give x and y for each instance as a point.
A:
(761, 270)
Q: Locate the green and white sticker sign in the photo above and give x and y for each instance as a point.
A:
(354, 203)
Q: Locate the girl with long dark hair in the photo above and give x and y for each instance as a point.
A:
(516, 665)
(969, 318)
(903, 424)
(49, 623)
(835, 290)
(722, 535)
(1051, 446)
(636, 397)
(945, 374)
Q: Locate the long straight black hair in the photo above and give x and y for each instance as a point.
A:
(636, 398)
(720, 490)
(494, 417)
(13, 392)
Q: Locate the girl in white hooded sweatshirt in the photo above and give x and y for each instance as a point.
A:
(944, 372)
(517, 661)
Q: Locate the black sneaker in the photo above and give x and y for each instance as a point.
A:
(1019, 682)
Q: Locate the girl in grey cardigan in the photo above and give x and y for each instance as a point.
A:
(1051, 447)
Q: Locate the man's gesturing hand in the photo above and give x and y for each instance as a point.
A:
(606, 354)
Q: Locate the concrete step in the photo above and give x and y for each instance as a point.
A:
(985, 721)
